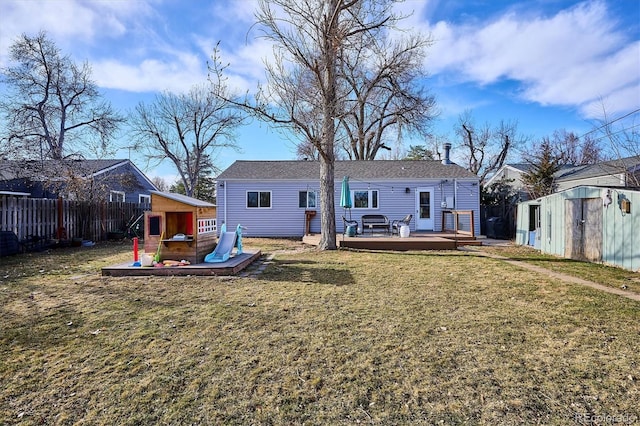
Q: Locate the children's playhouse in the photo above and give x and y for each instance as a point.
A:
(180, 227)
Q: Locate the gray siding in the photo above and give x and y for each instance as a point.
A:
(286, 219)
(129, 180)
(283, 219)
(606, 180)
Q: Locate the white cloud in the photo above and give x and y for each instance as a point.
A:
(151, 75)
(247, 61)
(66, 22)
(235, 11)
(614, 104)
(572, 58)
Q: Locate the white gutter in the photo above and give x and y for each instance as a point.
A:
(225, 201)
(455, 194)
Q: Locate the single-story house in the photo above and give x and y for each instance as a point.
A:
(107, 180)
(591, 223)
(281, 198)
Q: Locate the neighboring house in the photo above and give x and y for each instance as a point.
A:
(591, 223)
(275, 198)
(107, 180)
(511, 174)
(621, 173)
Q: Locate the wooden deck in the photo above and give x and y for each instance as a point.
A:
(231, 267)
(415, 241)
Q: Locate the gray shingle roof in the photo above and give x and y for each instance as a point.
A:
(378, 169)
(523, 167)
(10, 169)
(605, 168)
(569, 172)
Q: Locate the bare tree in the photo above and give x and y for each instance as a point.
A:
(384, 96)
(306, 151)
(486, 149)
(571, 149)
(188, 129)
(52, 104)
(160, 183)
(621, 138)
(303, 93)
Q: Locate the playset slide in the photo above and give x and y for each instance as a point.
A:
(224, 248)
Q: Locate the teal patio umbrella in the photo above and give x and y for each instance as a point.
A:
(345, 196)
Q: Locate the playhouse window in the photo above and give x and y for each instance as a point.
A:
(365, 199)
(179, 223)
(154, 225)
(307, 199)
(206, 226)
(259, 199)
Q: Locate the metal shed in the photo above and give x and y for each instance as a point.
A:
(595, 224)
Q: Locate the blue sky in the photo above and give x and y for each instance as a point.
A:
(547, 64)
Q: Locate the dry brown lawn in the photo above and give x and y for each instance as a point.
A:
(340, 337)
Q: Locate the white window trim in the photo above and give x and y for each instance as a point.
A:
(369, 199)
(117, 193)
(246, 200)
(144, 199)
(308, 206)
(207, 226)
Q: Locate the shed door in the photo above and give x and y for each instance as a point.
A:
(583, 219)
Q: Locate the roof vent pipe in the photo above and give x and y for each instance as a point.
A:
(447, 152)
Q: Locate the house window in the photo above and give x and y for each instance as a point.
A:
(259, 199)
(307, 199)
(144, 199)
(116, 196)
(365, 199)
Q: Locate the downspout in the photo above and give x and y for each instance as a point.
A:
(455, 194)
(225, 201)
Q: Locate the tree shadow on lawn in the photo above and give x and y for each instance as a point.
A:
(307, 271)
(31, 326)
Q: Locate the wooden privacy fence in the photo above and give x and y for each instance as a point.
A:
(64, 219)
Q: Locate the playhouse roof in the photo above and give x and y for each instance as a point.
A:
(183, 199)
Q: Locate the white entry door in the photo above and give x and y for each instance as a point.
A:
(424, 209)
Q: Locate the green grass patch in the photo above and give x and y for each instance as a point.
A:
(602, 274)
(340, 337)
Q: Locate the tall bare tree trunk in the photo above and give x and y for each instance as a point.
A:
(327, 157)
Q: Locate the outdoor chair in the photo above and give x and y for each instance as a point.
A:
(347, 224)
(396, 224)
